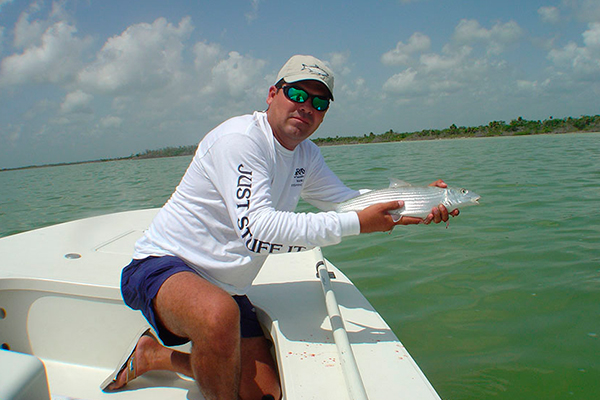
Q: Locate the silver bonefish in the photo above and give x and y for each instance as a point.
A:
(418, 200)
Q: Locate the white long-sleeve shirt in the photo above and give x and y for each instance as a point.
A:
(234, 205)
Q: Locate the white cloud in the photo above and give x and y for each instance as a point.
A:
(352, 91)
(581, 64)
(457, 69)
(28, 33)
(207, 56)
(76, 102)
(403, 53)
(549, 14)
(574, 70)
(340, 63)
(404, 82)
(461, 66)
(253, 13)
(144, 57)
(222, 74)
(495, 39)
(591, 37)
(111, 121)
(236, 74)
(527, 86)
(152, 87)
(444, 74)
(451, 58)
(55, 60)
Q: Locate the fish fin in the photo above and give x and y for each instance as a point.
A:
(396, 214)
(397, 183)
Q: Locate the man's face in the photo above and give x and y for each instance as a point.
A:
(293, 122)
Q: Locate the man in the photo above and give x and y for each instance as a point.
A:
(232, 208)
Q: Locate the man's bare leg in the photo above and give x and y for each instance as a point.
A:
(191, 307)
(259, 373)
(255, 363)
(150, 356)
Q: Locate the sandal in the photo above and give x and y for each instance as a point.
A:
(127, 362)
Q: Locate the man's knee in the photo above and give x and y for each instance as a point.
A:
(221, 324)
(217, 325)
(190, 307)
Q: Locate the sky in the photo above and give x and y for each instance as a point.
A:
(91, 79)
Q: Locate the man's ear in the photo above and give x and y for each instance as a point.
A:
(272, 92)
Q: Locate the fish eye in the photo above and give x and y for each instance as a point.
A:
(464, 191)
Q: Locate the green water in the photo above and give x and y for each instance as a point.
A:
(504, 304)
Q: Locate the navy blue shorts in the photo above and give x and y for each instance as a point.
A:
(141, 280)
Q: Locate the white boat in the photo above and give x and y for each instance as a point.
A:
(64, 326)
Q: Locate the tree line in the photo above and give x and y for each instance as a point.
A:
(515, 127)
(165, 152)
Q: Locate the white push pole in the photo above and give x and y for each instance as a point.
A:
(356, 388)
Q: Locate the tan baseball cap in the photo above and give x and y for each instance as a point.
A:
(304, 68)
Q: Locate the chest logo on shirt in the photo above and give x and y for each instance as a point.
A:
(298, 177)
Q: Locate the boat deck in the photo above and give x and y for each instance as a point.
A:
(59, 292)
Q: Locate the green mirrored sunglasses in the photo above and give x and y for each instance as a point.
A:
(298, 95)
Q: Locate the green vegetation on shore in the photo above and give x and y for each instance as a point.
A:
(165, 152)
(516, 127)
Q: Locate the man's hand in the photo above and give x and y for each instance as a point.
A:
(376, 218)
(439, 213)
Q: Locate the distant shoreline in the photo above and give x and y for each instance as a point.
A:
(419, 139)
(517, 127)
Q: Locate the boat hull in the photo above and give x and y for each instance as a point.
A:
(60, 302)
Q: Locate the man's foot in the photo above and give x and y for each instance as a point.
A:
(136, 364)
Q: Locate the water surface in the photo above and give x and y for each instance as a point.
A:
(503, 304)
